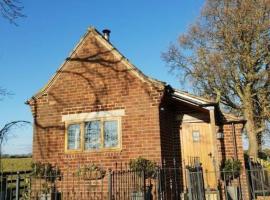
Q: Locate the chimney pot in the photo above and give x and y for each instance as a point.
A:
(106, 34)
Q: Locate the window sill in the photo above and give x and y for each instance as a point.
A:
(104, 150)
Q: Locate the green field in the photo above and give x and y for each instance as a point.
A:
(16, 164)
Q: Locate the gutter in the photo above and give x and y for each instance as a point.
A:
(171, 92)
(209, 104)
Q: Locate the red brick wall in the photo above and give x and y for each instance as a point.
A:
(94, 80)
(228, 150)
(167, 134)
(226, 146)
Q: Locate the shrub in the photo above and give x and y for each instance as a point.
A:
(45, 171)
(142, 165)
(91, 172)
(230, 169)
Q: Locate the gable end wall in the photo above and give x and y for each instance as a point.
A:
(94, 80)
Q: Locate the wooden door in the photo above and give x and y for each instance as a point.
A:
(197, 148)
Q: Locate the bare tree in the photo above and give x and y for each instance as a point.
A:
(4, 92)
(11, 10)
(226, 54)
(6, 130)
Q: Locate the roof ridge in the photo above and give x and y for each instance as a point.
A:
(126, 59)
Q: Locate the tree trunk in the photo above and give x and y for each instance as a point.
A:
(251, 131)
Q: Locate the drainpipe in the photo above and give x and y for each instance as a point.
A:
(234, 141)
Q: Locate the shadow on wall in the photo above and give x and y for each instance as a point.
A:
(95, 73)
(170, 140)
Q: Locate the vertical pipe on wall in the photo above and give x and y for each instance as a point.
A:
(234, 141)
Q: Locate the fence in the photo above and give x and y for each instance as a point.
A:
(259, 183)
(69, 185)
(138, 185)
(162, 184)
(13, 185)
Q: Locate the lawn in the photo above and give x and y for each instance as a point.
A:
(16, 164)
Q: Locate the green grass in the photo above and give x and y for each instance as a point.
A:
(16, 164)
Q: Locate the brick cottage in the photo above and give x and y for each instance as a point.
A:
(99, 108)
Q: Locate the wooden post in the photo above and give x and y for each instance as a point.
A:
(3, 186)
(214, 140)
(18, 186)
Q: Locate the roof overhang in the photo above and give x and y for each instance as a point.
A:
(193, 100)
(205, 104)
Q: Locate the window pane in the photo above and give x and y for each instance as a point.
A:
(110, 133)
(92, 135)
(196, 136)
(74, 136)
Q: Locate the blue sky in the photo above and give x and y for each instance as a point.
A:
(32, 52)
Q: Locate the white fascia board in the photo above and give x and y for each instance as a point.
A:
(210, 107)
(189, 97)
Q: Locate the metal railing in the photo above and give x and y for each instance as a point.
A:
(14, 185)
(163, 184)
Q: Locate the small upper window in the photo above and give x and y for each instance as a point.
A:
(74, 137)
(195, 136)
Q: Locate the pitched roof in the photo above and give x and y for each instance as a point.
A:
(111, 48)
(192, 98)
(205, 103)
(181, 95)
